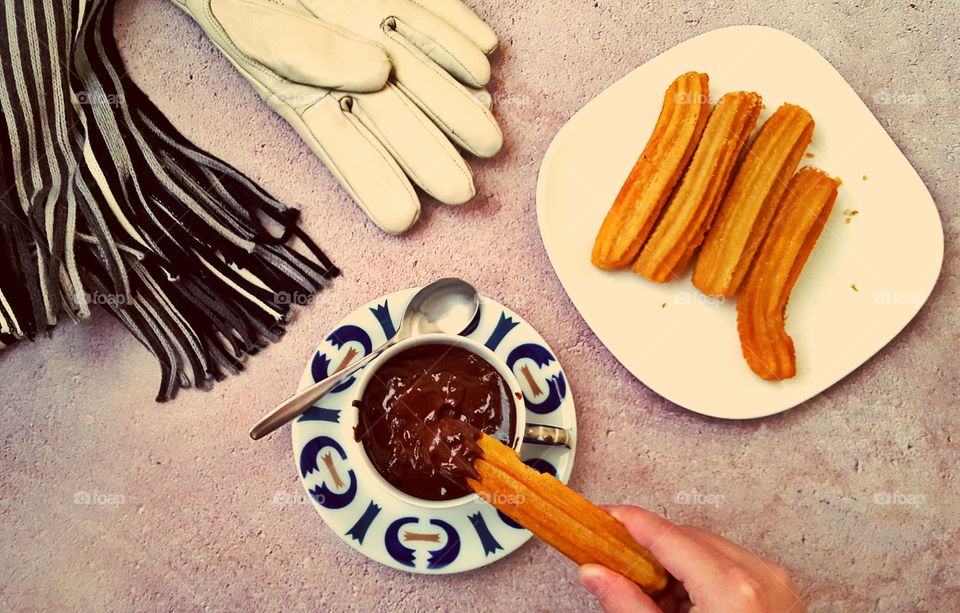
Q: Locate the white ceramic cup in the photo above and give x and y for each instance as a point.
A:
(544, 433)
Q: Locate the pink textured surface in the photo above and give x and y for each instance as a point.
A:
(190, 511)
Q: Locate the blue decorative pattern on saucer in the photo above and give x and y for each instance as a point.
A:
(354, 501)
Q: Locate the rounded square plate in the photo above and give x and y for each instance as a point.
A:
(864, 281)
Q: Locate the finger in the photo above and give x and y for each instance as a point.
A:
(462, 18)
(746, 558)
(442, 43)
(726, 547)
(289, 44)
(424, 153)
(614, 591)
(690, 560)
(461, 116)
(361, 164)
(483, 96)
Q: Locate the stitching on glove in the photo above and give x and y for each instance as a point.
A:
(333, 26)
(453, 25)
(391, 31)
(419, 56)
(450, 132)
(313, 19)
(426, 122)
(381, 150)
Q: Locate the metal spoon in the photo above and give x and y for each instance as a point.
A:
(447, 305)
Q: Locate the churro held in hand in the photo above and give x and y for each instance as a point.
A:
(560, 516)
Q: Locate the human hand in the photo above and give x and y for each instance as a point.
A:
(712, 573)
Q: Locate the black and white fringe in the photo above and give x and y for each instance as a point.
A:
(103, 202)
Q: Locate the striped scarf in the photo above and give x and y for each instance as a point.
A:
(103, 202)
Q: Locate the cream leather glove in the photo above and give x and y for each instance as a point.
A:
(377, 88)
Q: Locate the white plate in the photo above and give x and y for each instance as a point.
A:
(353, 500)
(684, 345)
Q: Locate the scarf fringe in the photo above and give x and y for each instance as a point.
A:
(106, 204)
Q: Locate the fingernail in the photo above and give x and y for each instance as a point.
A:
(591, 576)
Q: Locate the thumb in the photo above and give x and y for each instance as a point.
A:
(300, 48)
(615, 592)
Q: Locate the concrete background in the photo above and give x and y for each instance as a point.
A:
(187, 516)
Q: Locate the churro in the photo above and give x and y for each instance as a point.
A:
(560, 516)
(745, 213)
(761, 306)
(690, 211)
(636, 208)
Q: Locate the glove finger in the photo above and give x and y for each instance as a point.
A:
(441, 42)
(298, 47)
(424, 153)
(483, 96)
(361, 164)
(462, 18)
(461, 116)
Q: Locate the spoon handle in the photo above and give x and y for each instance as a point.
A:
(296, 405)
(547, 435)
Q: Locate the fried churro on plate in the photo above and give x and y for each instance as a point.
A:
(636, 208)
(762, 303)
(699, 186)
(691, 209)
(745, 213)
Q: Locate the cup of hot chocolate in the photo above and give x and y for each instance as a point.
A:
(420, 407)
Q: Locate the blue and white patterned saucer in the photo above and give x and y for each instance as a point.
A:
(353, 500)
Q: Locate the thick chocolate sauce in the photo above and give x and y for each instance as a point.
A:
(422, 412)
